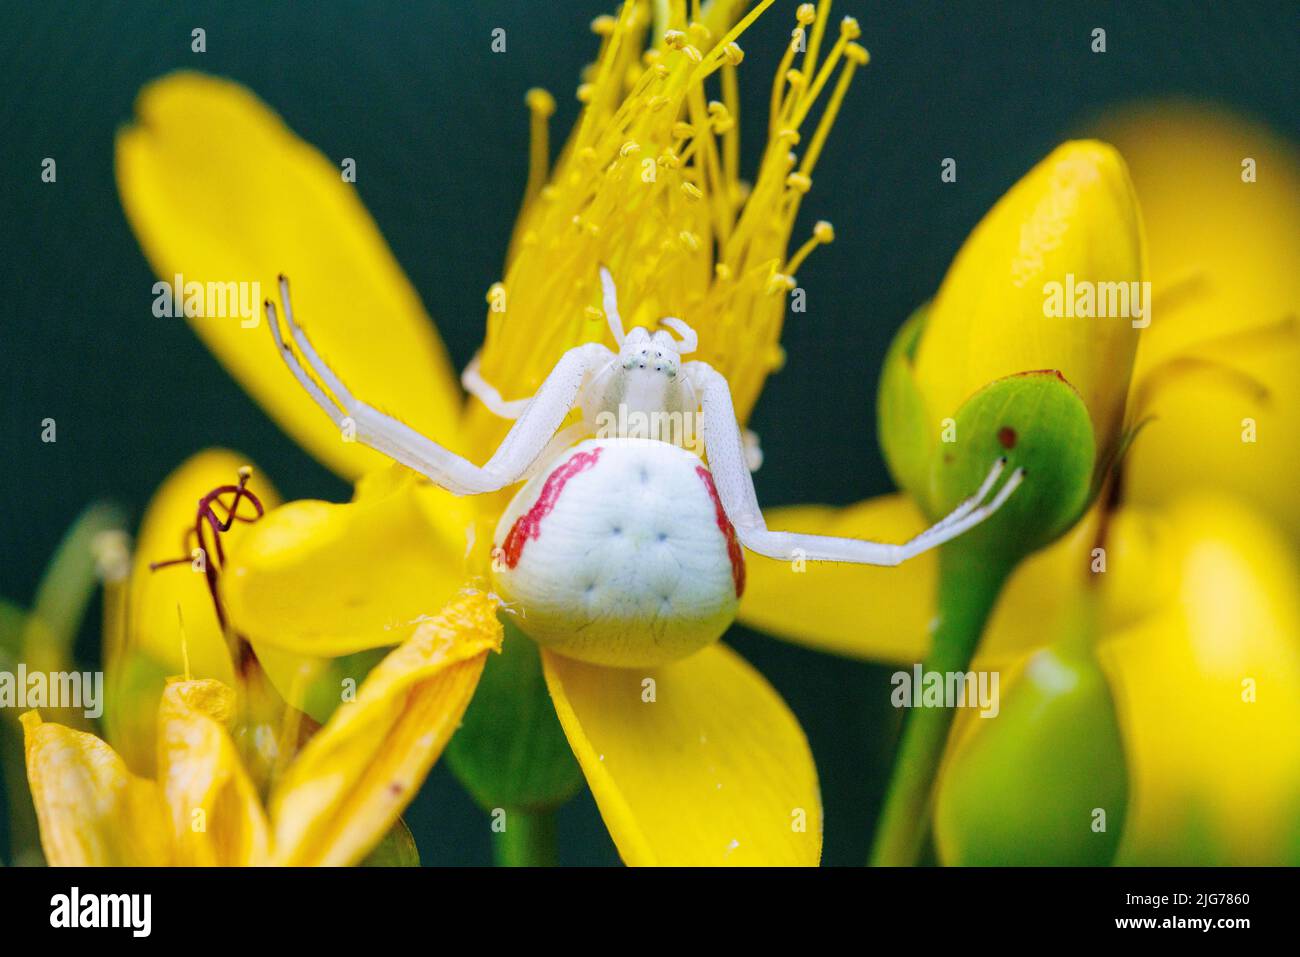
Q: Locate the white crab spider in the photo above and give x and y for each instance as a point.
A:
(641, 560)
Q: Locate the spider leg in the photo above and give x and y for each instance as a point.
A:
(726, 452)
(479, 387)
(526, 440)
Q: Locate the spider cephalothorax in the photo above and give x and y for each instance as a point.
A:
(624, 549)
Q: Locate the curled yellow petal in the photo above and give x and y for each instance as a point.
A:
(212, 805)
(325, 580)
(874, 613)
(353, 779)
(92, 810)
(1072, 219)
(1208, 695)
(698, 762)
(219, 190)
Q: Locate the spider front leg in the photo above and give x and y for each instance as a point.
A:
(735, 486)
(526, 440)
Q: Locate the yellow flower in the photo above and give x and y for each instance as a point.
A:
(1196, 608)
(231, 781)
(1221, 198)
(216, 187)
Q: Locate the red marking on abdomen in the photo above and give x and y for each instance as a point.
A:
(529, 524)
(728, 532)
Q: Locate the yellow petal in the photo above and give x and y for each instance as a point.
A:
(714, 771)
(874, 613)
(1208, 694)
(353, 779)
(218, 189)
(327, 580)
(884, 614)
(214, 809)
(1216, 366)
(1073, 214)
(92, 811)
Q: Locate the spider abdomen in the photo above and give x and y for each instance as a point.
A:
(620, 554)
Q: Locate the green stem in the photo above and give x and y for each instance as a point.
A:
(527, 841)
(969, 584)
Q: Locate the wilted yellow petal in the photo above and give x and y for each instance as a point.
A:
(92, 810)
(697, 762)
(1073, 215)
(218, 189)
(325, 580)
(214, 809)
(880, 614)
(1208, 694)
(353, 779)
(1218, 366)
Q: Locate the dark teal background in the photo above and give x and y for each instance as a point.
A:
(437, 125)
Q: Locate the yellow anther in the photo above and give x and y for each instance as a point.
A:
(593, 314)
(692, 53)
(245, 472)
(689, 240)
(587, 155)
(794, 78)
(779, 283)
(628, 148)
(683, 131)
(674, 39)
(718, 108)
(657, 102)
(669, 160)
(849, 28)
(661, 71)
(651, 57)
(699, 33)
(603, 25)
(540, 101)
(799, 182)
(806, 13)
(692, 191)
(723, 272)
(824, 232)
(857, 53)
(789, 137)
(585, 92)
(733, 54)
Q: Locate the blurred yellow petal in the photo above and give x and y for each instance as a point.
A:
(1041, 590)
(715, 770)
(319, 579)
(353, 779)
(218, 189)
(1222, 250)
(92, 810)
(1223, 256)
(875, 613)
(1208, 694)
(214, 809)
(1074, 214)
